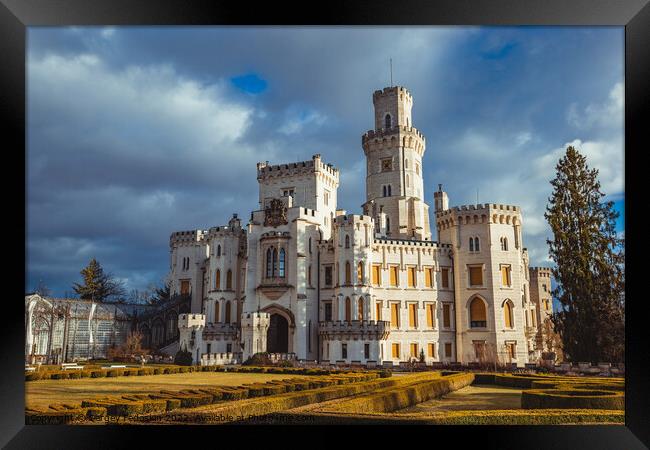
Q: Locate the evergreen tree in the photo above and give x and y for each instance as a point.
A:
(589, 264)
(98, 285)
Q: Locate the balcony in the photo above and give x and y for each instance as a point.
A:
(274, 287)
(362, 329)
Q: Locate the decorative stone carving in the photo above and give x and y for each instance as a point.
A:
(275, 213)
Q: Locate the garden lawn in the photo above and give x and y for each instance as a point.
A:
(42, 393)
(475, 397)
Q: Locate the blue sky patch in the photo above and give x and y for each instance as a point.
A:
(250, 83)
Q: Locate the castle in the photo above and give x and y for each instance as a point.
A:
(306, 280)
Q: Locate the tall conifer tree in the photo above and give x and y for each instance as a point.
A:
(97, 285)
(589, 264)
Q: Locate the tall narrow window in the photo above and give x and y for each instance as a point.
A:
(229, 279)
(444, 275)
(411, 277)
(477, 315)
(344, 351)
(476, 276)
(328, 275)
(446, 315)
(407, 181)
(471, 244)
(310, 245)
(281, 272)
(476, 245)
(431, 350)
(387, 121)
(348, 309)
(348, 276)
(376, 274)
(309, 276)
(360, 274)
(347, 241)
(395, 348)
(430, 315)
(389, 191)
(505, 275)
(269, 262)
(218, 250)
(384, 190)
(428, 277)
(414, 350)
(507, 313)
(378, 310)
(227, 314)
(328, 312)
(394, 315)
(447, 349)
(387, 225)
(360, 308)
(394, 276)
(217, 279)
(275, 263)
(216, 312)
(413, 316)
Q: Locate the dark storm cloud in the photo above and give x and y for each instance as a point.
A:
(136, 132)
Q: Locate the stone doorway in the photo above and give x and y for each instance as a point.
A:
(277, 340)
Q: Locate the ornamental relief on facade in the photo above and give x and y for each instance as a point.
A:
(275, 213)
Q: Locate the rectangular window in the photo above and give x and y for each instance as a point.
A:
(327, 198)
(428, 277)
(430, 315)
(447, 349)
(505, 275)
(476, 276)
(446, 315)
(411, 277)
(208, 350)
(511, 350)
(414, 351)
(366, 351)
(328, 275)
(309, 276)
(394, 276)
(228, 348)
(328, 312)
(394, 315)
(444, 275)
(413, 315)
(344, 351)
(431, 350)
(378, 306)
(395, 348)
(376, 274)
(185, 287)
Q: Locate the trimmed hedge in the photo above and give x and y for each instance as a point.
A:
(572, 399)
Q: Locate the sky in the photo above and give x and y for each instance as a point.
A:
(136, 132)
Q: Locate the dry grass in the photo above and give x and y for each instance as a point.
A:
(41, 393)
(477, 397)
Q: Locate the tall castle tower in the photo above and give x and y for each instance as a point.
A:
(394, 152)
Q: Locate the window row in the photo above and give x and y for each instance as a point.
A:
(185, 263)
(478, 314)
(416, 353)
(216, 310)
(217, 279)
(475, 275)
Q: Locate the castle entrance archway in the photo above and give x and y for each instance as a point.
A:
(277, 340)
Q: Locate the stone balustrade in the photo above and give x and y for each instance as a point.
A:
(220, 359)
(369, 329)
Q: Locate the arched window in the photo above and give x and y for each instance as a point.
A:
(387, 121)
(217, 279)
(384, 189)
(269, 262)
(275, 263)
(216, 312)
(229, 279)
(348, 277)
(471, 244)
(347, 241)
(477, 314)
(407, 181)
(281, 272)
(387, 224)
(360, 309)
(218, 250)
(360, 274)
(476, 245)
(389, 191)
(406, 163)
(504, 243)
(348, 309)
(507, 314)
(227, 318)
(310, 245)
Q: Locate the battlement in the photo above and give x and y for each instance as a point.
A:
(540, 272)
(191, 320)
(390, 91)
(350, 219)
(411, 242)
(377, 135)
(489, 209)
(265, 170)
(186, 237)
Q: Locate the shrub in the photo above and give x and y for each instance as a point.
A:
(97, 374)
(183, 358)
(85, 373)
(60, 376)
(32, 376)
(184, 369)
(258, 359)
(158, 370)
(572, 399)
(74, 375)
(385, 373)
(114, 373)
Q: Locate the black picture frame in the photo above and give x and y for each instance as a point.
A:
(16, 15)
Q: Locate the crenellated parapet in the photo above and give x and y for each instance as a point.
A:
(541, 272)
(191, 237)
(397, 136)
(267, 172)
(478, 214)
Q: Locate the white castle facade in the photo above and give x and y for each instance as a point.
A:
(307, 280)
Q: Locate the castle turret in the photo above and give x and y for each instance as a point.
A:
(394, 152)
